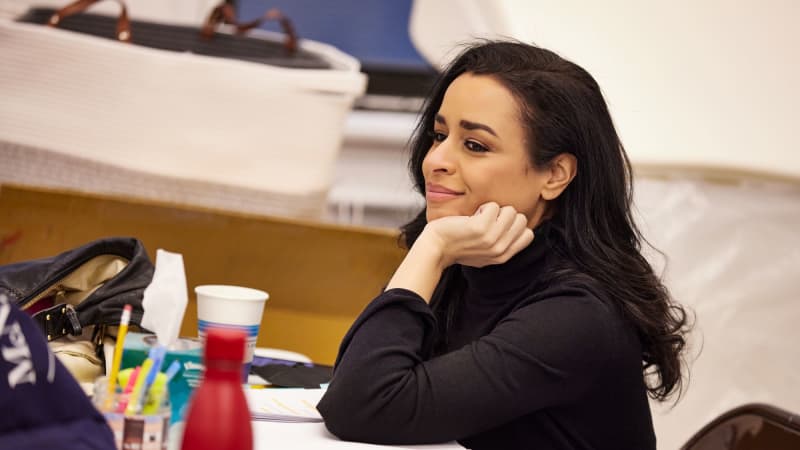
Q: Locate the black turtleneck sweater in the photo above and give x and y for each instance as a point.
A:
(525, 367)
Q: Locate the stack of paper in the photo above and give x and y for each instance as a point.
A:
(284, 405)
(288, 419)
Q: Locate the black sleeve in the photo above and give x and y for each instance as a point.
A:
(386, 389)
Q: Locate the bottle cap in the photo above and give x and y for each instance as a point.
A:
(225, 344)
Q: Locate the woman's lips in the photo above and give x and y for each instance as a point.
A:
(435, 192)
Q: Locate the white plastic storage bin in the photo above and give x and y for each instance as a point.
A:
(98, 115)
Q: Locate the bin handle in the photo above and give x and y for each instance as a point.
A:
(224, 13)
(79, 6)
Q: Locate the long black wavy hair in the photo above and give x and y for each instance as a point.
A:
(563, 111)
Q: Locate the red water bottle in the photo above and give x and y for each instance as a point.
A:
(218, 417)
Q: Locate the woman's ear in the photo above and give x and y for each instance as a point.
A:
(563, 169)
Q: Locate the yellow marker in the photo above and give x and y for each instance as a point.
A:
(155, 395)
(133, 401)
(122, 331)
(124, 375)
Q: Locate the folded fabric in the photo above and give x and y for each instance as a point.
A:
(298, 375)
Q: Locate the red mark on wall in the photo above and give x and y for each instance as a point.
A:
(9, 240)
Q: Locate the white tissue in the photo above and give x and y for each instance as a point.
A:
(165, 299)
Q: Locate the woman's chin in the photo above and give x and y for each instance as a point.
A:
(432, 214)
(437, 212)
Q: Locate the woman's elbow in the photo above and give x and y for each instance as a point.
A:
(346, 425)
(350, 420)
(340, 418)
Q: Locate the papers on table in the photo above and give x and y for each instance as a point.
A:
(284, 405)
(288, 419)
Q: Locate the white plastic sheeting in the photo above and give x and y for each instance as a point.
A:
(706, 86)
(734, 259)
(709, 83)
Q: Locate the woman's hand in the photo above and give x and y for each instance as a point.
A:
(491, 236)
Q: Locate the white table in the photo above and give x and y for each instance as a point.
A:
(312, 436)
(303, 436)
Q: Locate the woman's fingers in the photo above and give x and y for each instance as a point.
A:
(504, 246)
(506, 217)
(484, 218)
(496, 237)
(491, 222)
(487, 208)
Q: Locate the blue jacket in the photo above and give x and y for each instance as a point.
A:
(43, 406)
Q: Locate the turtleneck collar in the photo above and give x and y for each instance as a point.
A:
(495, 283)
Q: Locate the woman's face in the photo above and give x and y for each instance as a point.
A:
(479, 153)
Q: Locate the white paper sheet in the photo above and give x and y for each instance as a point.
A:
(284, 405)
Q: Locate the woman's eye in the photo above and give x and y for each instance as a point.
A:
(438, 137)
(475, 147)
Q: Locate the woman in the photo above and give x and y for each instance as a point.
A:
(524, 315)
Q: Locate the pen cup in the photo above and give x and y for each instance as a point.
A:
(147, 429)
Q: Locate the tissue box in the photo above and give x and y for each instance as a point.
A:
(187, 351)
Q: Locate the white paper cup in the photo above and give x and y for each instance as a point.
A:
(231, 307)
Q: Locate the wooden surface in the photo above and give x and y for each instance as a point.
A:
(319, 276)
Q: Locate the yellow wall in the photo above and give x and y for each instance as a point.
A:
(319, 276)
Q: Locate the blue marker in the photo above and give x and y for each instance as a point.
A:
(157, 355)
(173, 369)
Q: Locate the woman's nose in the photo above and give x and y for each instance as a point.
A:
(440, 158)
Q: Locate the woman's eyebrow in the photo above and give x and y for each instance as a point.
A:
(468, 125)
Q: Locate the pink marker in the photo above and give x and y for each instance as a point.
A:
(126, 394)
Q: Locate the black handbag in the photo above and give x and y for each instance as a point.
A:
(77, 296)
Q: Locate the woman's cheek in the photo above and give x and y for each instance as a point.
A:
(473, 204)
